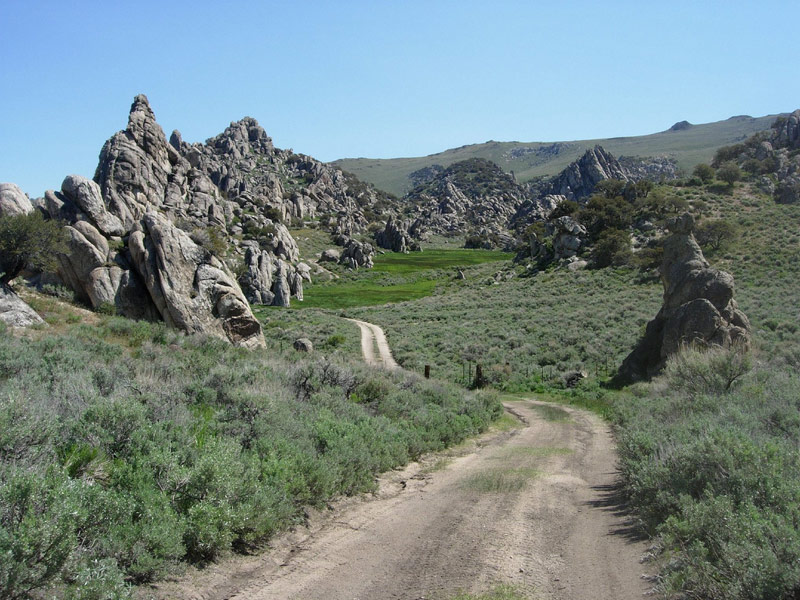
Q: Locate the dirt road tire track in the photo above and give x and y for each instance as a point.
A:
(372, 336)
(428, 534)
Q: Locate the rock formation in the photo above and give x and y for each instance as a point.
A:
(568, 236)
(698, 307)
(395, 237)
(469, 195)
(14, 312)
(577, 181)
(773, 152)
(356, 254)
(13, 201)
(192, 290)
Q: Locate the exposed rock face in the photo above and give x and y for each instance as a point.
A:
(698, 306)
(538, 209)
(577, 181)
(262, 180)
(469, 195)
(13, 201)
(786, 133)
(86, 196)
(192, 290)
(395, 237)
(776, 151)
(357, 254)
(654, 168)
(568, 236)
(14, 312)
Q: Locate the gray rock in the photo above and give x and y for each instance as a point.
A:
(281, 288)
(787, 134)
(395, 237)
(698, 307)
(578, 180)
(13, 201)
(14, 312)
(330, 255)
(568, 236)
(86, 195)
(303, 345)
(192, 290)
(257, 280)
(357, 254)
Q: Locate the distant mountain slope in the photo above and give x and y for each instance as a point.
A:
(688, 144)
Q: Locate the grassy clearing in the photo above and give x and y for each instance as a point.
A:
(351, 295)
(500, 481)
(397, 278)
(312, 242)
(436, 258)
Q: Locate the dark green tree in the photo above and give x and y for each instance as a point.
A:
(729, 173)
(601, 213)
(612, 248)
(29, 242)
(704, 172)
(715, 234)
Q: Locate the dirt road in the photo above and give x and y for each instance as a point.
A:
(534, 507)
(372, 336)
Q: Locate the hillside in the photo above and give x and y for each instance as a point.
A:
(687, 144)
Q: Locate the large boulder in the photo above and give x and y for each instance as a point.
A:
(14, 312)
(698, 307)
(192, 290)
(13, 201)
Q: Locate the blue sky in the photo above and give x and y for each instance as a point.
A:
(379, 79)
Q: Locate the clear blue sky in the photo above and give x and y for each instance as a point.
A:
(380, 79)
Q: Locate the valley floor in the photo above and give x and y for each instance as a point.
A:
(534, 507)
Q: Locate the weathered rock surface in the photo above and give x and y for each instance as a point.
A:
(192, 290)
(86, 196)
(330, 255)
(395, 237)
(578, 180)
(13, 201)
(568, 236)
(357, 254)
(14, 312)
(698, 307)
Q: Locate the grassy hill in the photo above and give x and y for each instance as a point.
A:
(689, 146)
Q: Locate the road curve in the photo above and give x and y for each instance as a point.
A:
(372, 336)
